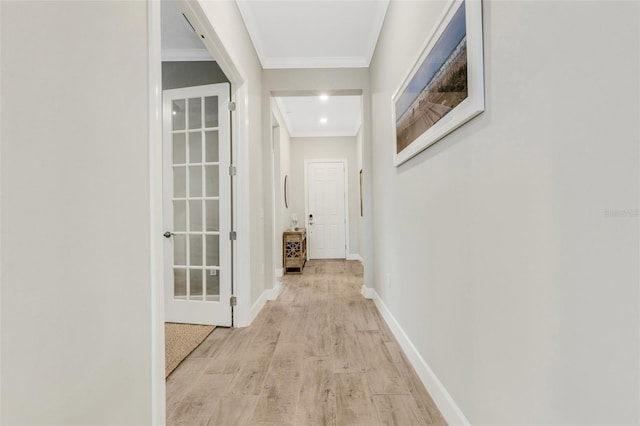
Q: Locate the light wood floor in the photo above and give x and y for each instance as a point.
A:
(319, 355)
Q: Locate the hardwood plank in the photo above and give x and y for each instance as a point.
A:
(383, 328)
(317, 398)
(347, 353)
(294, 328)
(359, 313)
(303, 296)
(190, 367)
(176, 390)
(200, 402)
(272, 316)
(382, 372)
(279, 396)
(397, 410)
(254, 364)
(339, 311)
(182, 380)
(335, 287)
(227, 359)
(318, 335)
(233, 410)
(212, 343)
(354, 404)
(426, 406)
(287, 359)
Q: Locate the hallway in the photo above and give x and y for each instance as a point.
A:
(320, 354)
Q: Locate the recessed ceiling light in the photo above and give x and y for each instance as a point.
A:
(324, 97)
(323, 120)
(174, 113)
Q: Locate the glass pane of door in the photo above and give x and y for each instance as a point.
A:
(196, 201)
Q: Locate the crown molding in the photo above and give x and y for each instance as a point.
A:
(183, 55)
(324, 134)
(316, 62)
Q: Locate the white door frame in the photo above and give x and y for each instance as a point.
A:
(347, 249)
(240, 195)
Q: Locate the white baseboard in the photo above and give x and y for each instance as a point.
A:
(448, 407)
(279, 272)
(268, 294)
(367, 292)
(275, 291)
(355, 256)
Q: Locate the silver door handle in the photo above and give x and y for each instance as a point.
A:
(168, 234)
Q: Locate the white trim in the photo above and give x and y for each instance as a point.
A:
(316, 62)
(275, 211)
(1, 399)
(184, 55)
(158, 387)
(268, 294)
(275, 291)
(381, 12)
(247, 17)
(241, 210)
(240, 154)
(324, 134)
(347, 231)
(447, 406)
(279, 272)
(355, 256)
(346, 197)
(367, 292)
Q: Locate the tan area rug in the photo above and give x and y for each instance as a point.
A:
(180, 340)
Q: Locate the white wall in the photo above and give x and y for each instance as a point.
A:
(326, 148)
(507, 268)
(76, 314)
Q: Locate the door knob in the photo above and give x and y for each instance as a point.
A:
(168, 234)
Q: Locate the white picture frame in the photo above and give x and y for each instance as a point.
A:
(422, 100)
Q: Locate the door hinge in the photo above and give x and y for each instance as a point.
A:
(233, 235)
(232, 170)
(233, 301)
(232, 106)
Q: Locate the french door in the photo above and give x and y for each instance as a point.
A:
(326, 216)
(197, 205)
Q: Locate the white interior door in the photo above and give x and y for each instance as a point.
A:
(326, 218)
(197, 207)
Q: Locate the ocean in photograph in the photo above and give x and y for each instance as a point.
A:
(438, 86)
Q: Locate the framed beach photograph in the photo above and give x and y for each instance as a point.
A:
(445, 87)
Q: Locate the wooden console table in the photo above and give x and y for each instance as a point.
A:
(294, 250)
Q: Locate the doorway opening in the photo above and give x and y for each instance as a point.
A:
(316, 128)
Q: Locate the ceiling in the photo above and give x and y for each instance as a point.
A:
(179, 40)
(297, 34)
(315, 116)
(314, 33)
